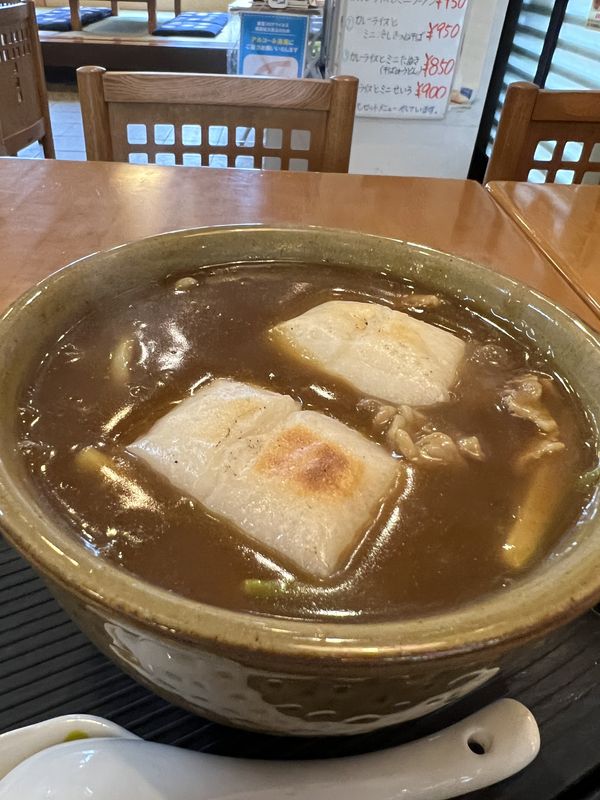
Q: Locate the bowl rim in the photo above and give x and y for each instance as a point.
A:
(547, 597)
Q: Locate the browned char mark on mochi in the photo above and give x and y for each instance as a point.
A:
(315, 466)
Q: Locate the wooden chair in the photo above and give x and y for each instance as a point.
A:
(24, 115)
(152, 18)
(275, 123)
(114, 6)
(555, 133)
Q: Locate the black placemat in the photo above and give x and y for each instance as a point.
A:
(48, 668)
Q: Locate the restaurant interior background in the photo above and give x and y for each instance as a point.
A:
(550, 43)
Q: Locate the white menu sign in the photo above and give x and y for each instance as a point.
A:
(593, 19)
(403, 52)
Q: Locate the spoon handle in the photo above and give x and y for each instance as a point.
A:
(486, 747)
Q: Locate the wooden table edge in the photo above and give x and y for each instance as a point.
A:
(504, 202)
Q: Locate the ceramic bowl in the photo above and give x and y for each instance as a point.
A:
(273, 674)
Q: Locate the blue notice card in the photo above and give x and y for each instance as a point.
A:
(273, 44)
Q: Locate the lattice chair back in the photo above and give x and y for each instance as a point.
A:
(547, 136)
(217, 120)
(24, 116)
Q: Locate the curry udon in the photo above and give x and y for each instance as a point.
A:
(454, 497)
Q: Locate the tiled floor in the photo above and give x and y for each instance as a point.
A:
(66, 127)
(67, 130)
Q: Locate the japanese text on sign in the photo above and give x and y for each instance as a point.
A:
(273, 44)
(404, 53)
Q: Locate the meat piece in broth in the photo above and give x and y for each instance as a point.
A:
(384, 353)
(299, 482)
(522, 398)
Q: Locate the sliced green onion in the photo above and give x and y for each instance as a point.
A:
(75, 735)
(254, 587)
(589, 479)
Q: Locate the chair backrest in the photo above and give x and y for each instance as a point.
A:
(198, 120)
(24, 116)
(548, 132)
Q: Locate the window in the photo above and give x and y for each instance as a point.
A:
(552, 46)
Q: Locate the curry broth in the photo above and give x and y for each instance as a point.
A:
(437, 543)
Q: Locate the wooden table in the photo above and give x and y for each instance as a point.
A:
(564, 224)
(52, 212)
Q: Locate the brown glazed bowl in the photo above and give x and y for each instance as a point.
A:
(261, 672)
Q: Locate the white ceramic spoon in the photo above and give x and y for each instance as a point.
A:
(36, 763)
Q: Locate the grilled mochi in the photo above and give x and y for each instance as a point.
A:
(299, 482)
(384, 353)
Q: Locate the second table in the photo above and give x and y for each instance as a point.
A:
(563, 222)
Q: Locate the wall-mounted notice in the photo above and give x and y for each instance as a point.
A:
(273, 44)
(404, 53)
